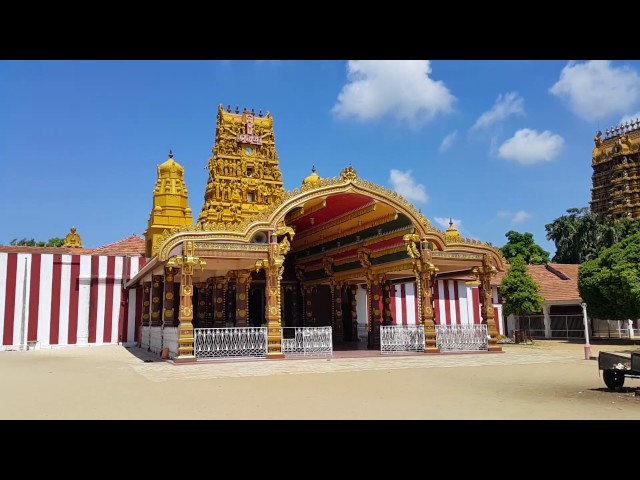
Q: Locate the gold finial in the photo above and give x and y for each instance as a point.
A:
(72, 239)
(237, 109)
(170, 153)
(452, 233)
(313, 178)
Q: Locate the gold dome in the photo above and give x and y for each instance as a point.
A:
(452, 233)
(313, 178)
(170, 166)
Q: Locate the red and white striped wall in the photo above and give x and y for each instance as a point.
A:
(62, 299)
(455, 303)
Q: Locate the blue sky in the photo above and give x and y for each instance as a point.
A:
(496, 145)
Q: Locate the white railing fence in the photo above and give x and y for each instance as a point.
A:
(230, 342)
(145, 337)
(306, 341)
(401, 338)
(462, 338)
(615, 328)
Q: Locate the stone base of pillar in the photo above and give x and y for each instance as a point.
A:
(185, 359)
(495, 348)
(431, 350)
(275, 355)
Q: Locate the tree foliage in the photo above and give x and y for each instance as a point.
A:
(523, 245)
(53, 242)
(581, 235)
(610, 283)
(520, 292)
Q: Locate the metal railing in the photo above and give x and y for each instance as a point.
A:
(533, 324)
(567, 326)
(614, 328)
(307, 341)
(462, 338)
(401, 338)
(145, 337)
(230, 342)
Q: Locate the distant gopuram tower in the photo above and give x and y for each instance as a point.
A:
(244, 174)
(615, 191)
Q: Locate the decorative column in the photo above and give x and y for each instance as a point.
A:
(374, 291)
(484, 274)
(242, 291)
(146, 303)
(547, 321)
(209, 319)
(308, 306)
(336, 311)
(156, 304)
(218, 309)
(353, 290)
(386, 300)
(202, 304)
(185, 330)
(167, 316)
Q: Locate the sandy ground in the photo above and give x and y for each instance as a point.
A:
(548, 380)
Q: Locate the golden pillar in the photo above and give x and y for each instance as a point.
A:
(146, 303)
(242, 292)
(156, 303)
(483, 275)
(168, 317)
(386, 300)
(218, 308)
(336, 311)
(185, 330)
(209, 318)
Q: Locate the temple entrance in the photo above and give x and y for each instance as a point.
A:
(257, 305)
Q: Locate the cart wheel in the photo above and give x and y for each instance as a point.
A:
(612, 379)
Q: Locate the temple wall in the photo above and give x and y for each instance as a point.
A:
(67, 299)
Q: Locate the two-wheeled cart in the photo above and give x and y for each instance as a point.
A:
(618, 366)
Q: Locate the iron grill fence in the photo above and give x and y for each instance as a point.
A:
(230, 342)
(401, 338)
(462, 338)
(307, 341)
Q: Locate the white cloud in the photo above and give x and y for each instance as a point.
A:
(401, 88)
(597, 89)
(405, 185)
(528, 146)
(509, 104)
(444, 222)
(518, 217)
(629, 118)
(447, 141)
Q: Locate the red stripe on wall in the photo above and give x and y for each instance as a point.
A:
(74, 292)
(403, 302)
(108, 302)
(447, 307)
(93, 298)
(416, 295)
(10, 298)
(55, 299)
(436, 303)
(456, 296)
(34, 297)
(124, 301)
(476, 305)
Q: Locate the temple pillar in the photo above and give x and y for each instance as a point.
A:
(309, 321)
(186, 338)
(426, 277)
(202, 304)
(484, 274)
(218, 307)
(209, 319)
(374, 291)
(386, 300)
(156, 304)
(336, 311)
(242, 292)
(274, 325)
(146, 303)
(168, 317)
(353, 290)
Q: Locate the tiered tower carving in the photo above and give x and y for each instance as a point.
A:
(170, 204)
(615, 191)
(244, 173)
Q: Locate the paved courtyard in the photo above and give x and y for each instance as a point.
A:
(546, 380)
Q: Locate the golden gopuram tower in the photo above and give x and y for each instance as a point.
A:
(244, 174)
(615, 191)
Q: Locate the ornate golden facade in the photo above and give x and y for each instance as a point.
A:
(72, 239)
(272, 258)
(616, 172)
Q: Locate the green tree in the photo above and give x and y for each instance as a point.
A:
(581, 235)
(520, 292)
(610, 283)
(523, 245)
(53, 242)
